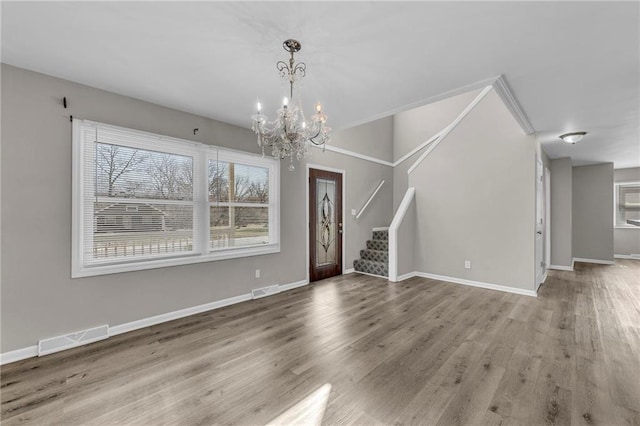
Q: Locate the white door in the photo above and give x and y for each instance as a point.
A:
(540, 225)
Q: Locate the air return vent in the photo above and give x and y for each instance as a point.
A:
(265, 291)
(71, 340)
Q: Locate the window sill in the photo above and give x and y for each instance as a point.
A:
(89, 271)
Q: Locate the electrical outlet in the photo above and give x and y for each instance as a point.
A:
(257, 273)
(467, 264)
(353, 212)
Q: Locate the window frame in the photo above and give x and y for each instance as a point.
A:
(237, 157)
(616, 194)
(201, 154)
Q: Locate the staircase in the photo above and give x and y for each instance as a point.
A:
(374, 260)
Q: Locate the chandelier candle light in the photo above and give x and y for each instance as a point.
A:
(289, 135)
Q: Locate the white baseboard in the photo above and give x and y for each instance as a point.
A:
(544, 278)
(561, 268)
(627, 256)
(598, 261)
(170, 316)
(381, 228)
(18, 355)
(291, 286)
(480, 284)
(348, 271)
(32, 351)
(406, 276)
(371, 275)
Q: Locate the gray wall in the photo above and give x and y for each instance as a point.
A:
(544, 157)
(362, 178)
(413, 127)
(406, 238)
(626, 241)
(40, 300)
(475, 198)
(561, 215)
(372, 139)
(592, 208)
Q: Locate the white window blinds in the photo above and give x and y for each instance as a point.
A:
(627, 205)
(140, 199)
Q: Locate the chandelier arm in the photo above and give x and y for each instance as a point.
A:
(313, 141)
(302, 67)
(290, 134)
(283, 68)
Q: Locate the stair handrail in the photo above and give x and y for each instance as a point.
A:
(443, 134)
(398, 218)
(375, 191)
(418, 148)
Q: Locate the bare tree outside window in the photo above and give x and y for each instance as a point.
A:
(171, 176)
(135, 173)
(218, 173)
(239, 204)
(115, 163)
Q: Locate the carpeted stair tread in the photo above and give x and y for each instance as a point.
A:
(374, 259)
(371, 267)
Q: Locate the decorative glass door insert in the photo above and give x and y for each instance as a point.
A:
(325, 207)
(325, 222)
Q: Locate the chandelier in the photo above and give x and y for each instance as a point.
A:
(290, 134)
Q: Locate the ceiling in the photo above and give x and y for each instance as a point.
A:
(570, 65)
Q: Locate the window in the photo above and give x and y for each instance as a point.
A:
(627, 205)
(238, 203)
(144, 201)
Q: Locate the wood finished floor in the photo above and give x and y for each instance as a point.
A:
(359, 350)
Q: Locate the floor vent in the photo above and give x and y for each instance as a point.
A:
(71, 340)
(265, 291)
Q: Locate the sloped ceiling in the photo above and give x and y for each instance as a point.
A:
(571, 65)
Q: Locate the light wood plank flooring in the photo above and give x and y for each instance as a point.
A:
(359, 350)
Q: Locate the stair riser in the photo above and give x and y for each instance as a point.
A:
(370, 267)
(378, 245)
(380, 235)
(375, 259)
(375, 255)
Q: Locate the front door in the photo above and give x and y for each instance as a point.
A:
(325, 224)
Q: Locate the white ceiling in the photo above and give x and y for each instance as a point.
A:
(571, 65)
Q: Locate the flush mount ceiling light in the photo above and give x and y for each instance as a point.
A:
(572, 137)
(290, 134)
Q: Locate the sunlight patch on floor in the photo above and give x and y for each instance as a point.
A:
(309, 411)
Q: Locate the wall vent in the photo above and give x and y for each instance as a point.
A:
(265, 291)
(71, 340)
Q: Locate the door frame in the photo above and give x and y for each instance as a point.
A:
(344, 222)
(547, 218)
(539, 226)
